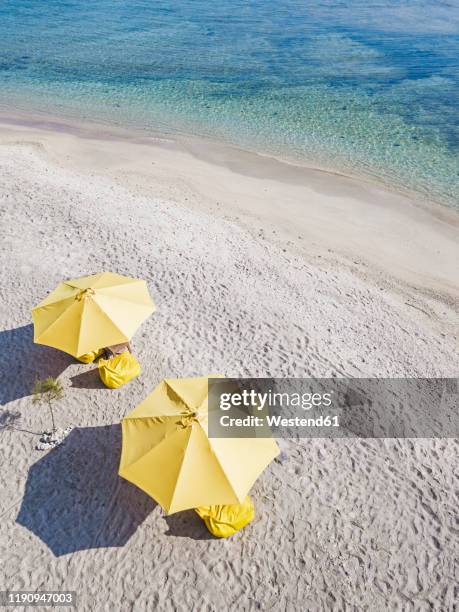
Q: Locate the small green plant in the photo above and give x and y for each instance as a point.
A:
(48, 391)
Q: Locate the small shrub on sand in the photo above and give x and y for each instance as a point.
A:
(48, 391)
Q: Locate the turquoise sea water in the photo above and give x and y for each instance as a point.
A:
(365, 87)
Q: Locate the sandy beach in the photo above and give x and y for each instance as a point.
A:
(258, 268)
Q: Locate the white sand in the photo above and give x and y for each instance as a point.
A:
(258, 268)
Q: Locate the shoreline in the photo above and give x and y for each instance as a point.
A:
(325, 215)
(97, 129)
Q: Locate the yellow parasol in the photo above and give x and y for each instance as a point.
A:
(88, 313)
(167, 452)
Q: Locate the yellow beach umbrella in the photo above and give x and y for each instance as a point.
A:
(167, 452)
(88, 313)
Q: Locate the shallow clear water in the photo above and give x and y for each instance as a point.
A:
(367, 87)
